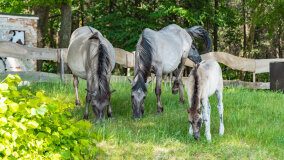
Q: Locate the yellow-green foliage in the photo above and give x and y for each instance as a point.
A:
(33, 126)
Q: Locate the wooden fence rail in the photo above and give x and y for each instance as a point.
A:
(125, 58)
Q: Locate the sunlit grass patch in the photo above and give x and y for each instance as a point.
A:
(253, 120)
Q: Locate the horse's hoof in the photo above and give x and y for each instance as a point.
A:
(181, 102)
(78, 104)
(174, 91)
(159, 112)
(112, 118)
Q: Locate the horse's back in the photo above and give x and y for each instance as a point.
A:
(77, 51)
(210, 77)
(79, 47)
(169, 45)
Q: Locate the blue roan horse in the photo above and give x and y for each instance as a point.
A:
(163, 52)
(92, 57)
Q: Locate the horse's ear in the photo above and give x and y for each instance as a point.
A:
(130, 81)
(94, 36)
(147, 83)
(112, 91)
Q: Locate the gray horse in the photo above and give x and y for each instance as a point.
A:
(162, 52)
(92, 57)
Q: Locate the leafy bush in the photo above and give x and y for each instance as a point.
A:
(49, 66)
(33, 126)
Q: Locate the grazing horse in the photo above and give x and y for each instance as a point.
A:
(92, 57)
(163, 52)
(204, 80)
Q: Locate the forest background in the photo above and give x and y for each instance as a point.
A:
(245, 28)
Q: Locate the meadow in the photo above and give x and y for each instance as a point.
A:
(253, 119)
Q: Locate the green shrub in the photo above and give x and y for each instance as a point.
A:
(33, 126)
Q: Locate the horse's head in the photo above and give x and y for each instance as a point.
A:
(195, 119)
(194, 54)
(99, 103)
(138, 94)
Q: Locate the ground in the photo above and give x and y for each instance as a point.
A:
(253, 119)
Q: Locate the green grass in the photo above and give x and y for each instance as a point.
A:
(254, 125)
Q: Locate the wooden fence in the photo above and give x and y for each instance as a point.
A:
(125, 58)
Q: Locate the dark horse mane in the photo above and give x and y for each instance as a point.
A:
(144, 52)
(103, 90)
(195, 96)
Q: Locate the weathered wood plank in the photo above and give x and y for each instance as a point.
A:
(262, 65)
(32, 76)
(252, 85)
(9, 49)
(125, 58)
(234, 62)
(51, 77)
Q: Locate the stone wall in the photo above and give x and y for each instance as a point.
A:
(23, 23)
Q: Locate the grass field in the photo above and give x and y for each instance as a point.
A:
(254, 125)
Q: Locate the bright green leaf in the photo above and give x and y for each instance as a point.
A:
(42, 110)
(4, 86)
(3, 108)
(33, 124)
(3, 121)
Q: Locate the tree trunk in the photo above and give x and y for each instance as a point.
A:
(245, 33)
(251, 34)
(65, 29)
(75, 21)
(215, 32)
(42, 12)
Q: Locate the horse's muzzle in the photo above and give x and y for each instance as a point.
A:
(137, 117)
(174, 91)
(196, 135)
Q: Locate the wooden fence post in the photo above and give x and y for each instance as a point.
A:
(253, 77)
(60, 64)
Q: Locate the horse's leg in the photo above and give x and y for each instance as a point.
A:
(88, 99)
(206, 117)
(181, 93)
(109, 112)
(158, 91)
(179, 80)
(75, 84)
(190, 131)
(220, 109)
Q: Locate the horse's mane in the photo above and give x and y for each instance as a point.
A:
(144, 54)
(196, 89)
(103, 90)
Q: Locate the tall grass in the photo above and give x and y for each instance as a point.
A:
(253, 119)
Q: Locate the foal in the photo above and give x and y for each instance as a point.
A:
(204, 80)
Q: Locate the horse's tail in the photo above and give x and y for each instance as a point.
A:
(102, 66)
(196, 88)
(144, 53)
(199, 32)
